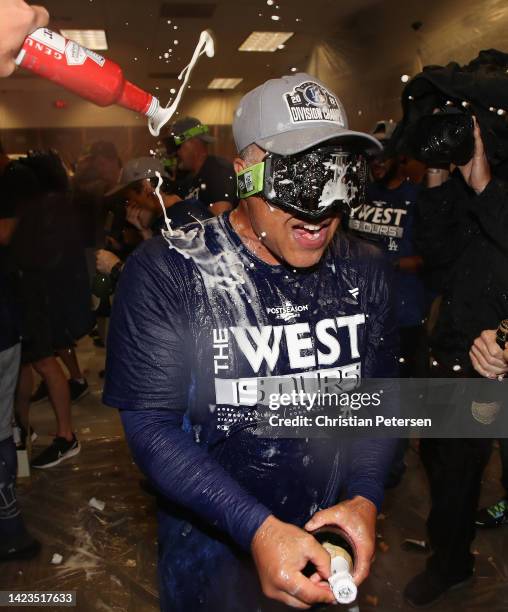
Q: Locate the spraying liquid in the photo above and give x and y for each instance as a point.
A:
(98, 79)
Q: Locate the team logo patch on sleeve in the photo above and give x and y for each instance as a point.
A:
(311, 102)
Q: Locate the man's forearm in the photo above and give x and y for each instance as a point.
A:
(185, 472)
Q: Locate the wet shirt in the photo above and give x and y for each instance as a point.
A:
(201, 328)
(182, 213)
(388, 218)
(215, 182)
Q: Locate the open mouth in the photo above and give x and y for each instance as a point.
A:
(310, 235)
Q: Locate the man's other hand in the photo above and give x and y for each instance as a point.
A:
(280, 552)
(17, 20)
(487, 357)
(357, 518)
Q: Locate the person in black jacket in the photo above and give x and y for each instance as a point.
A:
(490, 361)
(462, 237)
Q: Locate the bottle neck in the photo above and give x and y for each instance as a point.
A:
(136, 99)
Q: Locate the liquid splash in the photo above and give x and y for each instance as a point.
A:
(206, 46)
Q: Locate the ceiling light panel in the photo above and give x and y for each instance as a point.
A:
(91, 39)
(265, 41)
(224, 83)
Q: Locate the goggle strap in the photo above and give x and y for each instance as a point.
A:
(251, 180)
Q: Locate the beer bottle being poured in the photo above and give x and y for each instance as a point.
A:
(337, 544)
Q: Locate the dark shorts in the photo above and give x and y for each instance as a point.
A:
(51, 317)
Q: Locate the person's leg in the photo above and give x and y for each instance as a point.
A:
(70, 361)
(15, 542)
(454, 468)
(78, 385)
(496, 514)
(23, 395)
(51, 371)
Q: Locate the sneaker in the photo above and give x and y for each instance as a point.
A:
(493, 516)
(78, 389)
(41, 394)
(28, 550)
(59, 450)
(426, 589)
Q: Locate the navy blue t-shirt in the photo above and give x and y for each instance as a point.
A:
(199, 325)
(388, 217)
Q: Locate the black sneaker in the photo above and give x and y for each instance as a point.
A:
(426, 589)
(78, 389)
(493, 516)
(59, 450)
(28, 550)
(41, 394)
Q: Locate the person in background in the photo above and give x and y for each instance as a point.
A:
(17, 20)
(210, 179)
(137, 187)
(461, 234)
(52, 288)
(490, 361)
(380, 164)
(15, 542)
(97, 172)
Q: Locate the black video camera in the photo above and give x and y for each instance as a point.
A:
(443, 138)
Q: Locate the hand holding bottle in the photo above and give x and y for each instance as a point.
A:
(281, 551)
(487, 356)
(17, 20)
(357, 518)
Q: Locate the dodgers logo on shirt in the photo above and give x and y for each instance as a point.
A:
(310, 101)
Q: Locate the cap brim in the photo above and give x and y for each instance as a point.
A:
(122, 186)
(300, 139)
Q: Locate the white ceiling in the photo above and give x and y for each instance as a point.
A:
(359, 47)
(135, 29)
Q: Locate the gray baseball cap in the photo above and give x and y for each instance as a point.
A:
(291, 114)
(138, 169)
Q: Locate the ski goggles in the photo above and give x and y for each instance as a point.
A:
(308, 184)
(191, 133)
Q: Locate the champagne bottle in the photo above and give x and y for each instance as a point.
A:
(337, 544)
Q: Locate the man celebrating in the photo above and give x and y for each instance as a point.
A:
(207, 317)
(209, 179)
